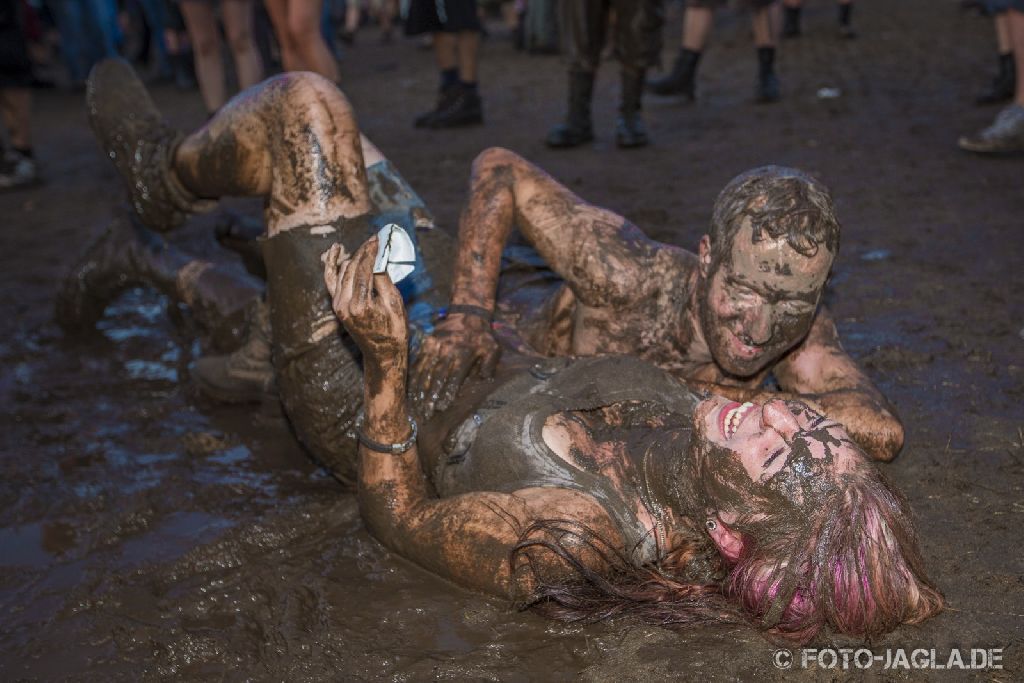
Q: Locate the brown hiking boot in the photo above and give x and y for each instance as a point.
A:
(247, 374)
(141, 145)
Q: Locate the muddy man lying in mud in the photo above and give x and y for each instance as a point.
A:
(591, 486)
(747, 305)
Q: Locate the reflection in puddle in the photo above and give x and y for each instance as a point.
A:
(172, 538)
(35, 544)
(150, 370)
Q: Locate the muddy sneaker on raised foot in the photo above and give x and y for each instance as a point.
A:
(141, 145)
(1004, 136)
(246, 375)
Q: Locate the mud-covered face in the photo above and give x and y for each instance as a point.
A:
(759, 301)
(781, 457)
(776, 436)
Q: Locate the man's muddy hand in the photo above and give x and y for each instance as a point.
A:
(460, 345)
(368, 305)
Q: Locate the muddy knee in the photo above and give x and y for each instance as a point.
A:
(316, 154)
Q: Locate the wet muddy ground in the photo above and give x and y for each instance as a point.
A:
(146, 533)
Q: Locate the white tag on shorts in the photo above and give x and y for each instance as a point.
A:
(396, 254)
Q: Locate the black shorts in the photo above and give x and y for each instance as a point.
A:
(441, 16)
(15, 66)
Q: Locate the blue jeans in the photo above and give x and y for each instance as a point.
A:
(156, 17)
(88, 33)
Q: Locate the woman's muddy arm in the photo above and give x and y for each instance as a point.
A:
(465, 538)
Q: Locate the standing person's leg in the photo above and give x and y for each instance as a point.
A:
(681, 80)
(17, 165)
(583, 24)
(846, 19)
(791, 21)
(455, 28)
(277, 10)
(765, 23)
(1004, 83)
(1006, 134)
(1015, 24)
(156, 17)
(638, 43)
(467, 47)
(304, 27)
(388, 12)
(110, 35)
(67, 14)
(238, 28)
(446, 57)
(353, 15)
(206, 48)
(461, 24)
(179, 47)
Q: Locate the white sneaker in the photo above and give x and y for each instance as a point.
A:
(1006, 134)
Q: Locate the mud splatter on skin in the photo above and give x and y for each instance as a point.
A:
(745, 307)
(296, 144)
(624, 293)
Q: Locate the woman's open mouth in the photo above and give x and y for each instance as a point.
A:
(731, 416)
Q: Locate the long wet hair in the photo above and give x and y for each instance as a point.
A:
(846, 557)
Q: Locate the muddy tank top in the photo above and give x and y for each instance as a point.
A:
(500, 447)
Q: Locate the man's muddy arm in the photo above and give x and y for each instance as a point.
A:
(603, 257)
(820, 373)
(598, 252)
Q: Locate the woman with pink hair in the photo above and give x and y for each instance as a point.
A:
(595, 487)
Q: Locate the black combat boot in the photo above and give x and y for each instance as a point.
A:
(681, 79)
(464, 108)
(1003, 85)
(577, 129)
(767, 82)
(845, 21)
(630, 130)
(444, 97)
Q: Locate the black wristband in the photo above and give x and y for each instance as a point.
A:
(470, 309)
(392, 448)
